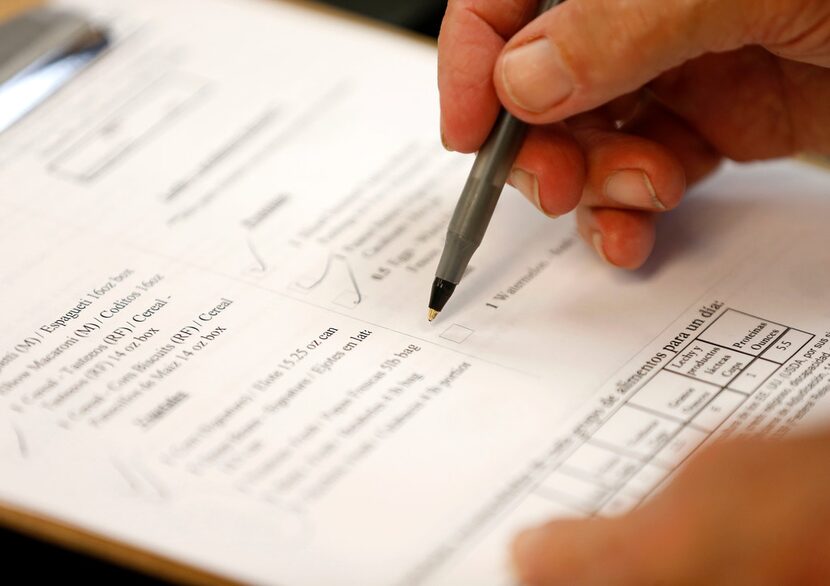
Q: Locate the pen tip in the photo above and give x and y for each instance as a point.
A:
(432, 314)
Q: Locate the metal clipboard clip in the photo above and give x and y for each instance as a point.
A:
(40, 51)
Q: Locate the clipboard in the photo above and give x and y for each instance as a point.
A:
(72, 537)
(60, 46)
(41, 50)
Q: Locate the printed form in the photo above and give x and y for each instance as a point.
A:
(217, 249)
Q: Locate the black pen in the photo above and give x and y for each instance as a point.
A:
(478, 200)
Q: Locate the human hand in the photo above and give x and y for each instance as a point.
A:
(634, 99)
(752, 512)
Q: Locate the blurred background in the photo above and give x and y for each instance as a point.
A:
(41, 562)
(423, 16)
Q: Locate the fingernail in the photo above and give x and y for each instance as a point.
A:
(443, 135)
(528, 184)
(633, 188)
(600, 247)
(535, 76)
(526, 552)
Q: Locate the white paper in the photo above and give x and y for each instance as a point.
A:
(218, 245)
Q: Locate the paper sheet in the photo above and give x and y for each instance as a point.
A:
(218, 245)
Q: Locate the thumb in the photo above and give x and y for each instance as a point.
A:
(584, 53)
(569, 552)
(654, 544)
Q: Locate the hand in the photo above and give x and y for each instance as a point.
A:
(634, 99)
(743, 513)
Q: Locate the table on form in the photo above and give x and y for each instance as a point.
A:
(659, 424)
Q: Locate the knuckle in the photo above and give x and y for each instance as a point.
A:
(799, 27)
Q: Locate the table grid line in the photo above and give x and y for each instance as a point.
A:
(641, 461)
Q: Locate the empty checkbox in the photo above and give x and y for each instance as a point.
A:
(456, 333)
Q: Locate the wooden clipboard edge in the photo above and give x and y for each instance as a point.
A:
(92, 544)
(822, 161)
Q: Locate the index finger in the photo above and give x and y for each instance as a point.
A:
(472, 36)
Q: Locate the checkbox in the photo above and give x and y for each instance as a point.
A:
(456, 333)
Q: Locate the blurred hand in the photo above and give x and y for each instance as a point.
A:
(744, 513)
(634, 99)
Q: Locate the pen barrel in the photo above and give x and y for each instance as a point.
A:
(484, 186)
(546, 5)
(480, 195)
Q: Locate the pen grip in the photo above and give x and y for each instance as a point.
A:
(487, 178)
(480, 195)
(483, 188)
(546, 5)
